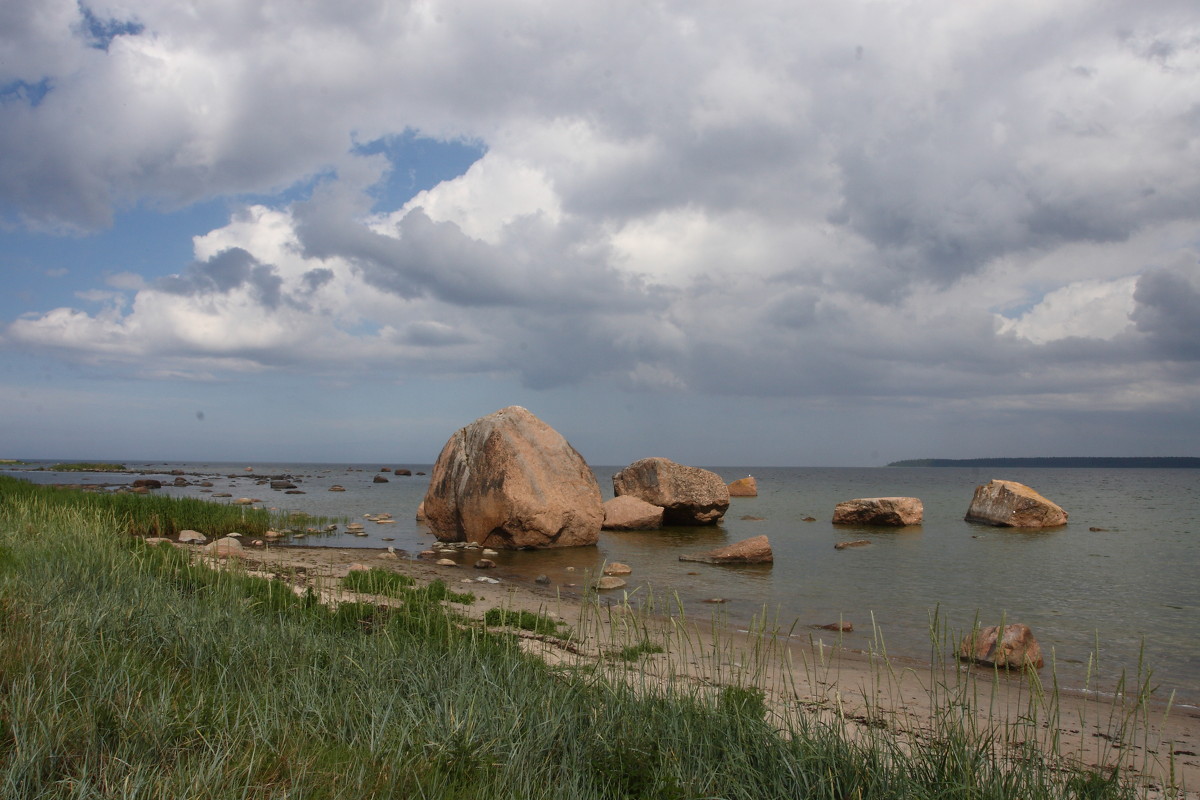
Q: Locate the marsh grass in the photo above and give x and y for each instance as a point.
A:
(151, 515)
(131, 671)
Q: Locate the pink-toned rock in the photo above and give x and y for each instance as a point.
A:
(755, 550)
(687, 495)
(1010, 504)
(889, 511)
(610, 583)
(421, 511)
(629, 513)
(744, 487)
(1015, 649)
(509, 480)
(224, 548)
(617, 568)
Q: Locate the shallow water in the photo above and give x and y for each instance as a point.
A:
(1130, 591)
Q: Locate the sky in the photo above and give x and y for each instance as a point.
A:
(810, 233)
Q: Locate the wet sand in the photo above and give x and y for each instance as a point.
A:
(806, 671)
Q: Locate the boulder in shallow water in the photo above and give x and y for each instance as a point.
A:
(687, 495)
(883, 511)
(629, 513)
(1010, 504)
(755, 550)
(1014, 648)
(744, 487)
(510, 481)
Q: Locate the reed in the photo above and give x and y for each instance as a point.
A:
(130, 671)
(153, 515)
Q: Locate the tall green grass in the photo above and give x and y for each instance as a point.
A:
(150, 515)
(129, 671)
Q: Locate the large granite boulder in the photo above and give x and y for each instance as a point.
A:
(687, 495)
(1010, 504)
(890, 511)
(755, 550)
(1014, 648)
(509, 480)
(744, 487)
(629, 513)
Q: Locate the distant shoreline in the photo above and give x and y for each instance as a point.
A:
(1078, 462)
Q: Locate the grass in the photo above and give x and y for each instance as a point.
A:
(153, 515)
(130, 671)
(392, 584)
(523, 620)
(633, 652)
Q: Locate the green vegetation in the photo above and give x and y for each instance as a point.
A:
(152, 515)
(1076, 462)
(633, 652)
(392, 584)
(88, 466)
(524, 620)
(128, 671)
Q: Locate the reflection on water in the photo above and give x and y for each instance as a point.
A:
(1134, 579)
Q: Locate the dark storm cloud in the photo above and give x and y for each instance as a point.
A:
(1168, 312)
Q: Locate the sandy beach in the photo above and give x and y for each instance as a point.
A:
(800, 671)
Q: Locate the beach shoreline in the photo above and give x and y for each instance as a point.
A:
(1154, 742)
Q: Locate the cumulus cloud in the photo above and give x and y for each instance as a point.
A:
(835, 199)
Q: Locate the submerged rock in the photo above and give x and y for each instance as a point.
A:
(855, 543)
(1010, 504)
(755, 550)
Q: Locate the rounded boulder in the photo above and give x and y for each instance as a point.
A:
(510, 481)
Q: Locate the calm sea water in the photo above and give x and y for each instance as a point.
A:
(1128, 592)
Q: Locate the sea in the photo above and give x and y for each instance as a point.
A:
(1113, 594)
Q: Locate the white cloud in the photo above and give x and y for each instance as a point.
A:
(1089, 309)
(496, 190)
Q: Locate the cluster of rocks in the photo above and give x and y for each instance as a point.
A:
(510, 481)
